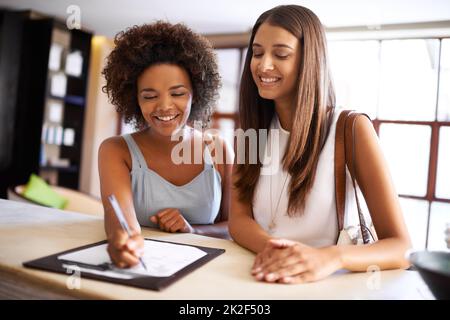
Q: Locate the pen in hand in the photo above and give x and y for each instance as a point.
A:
(119, 214)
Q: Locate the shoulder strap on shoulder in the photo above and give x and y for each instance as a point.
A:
(344, 156)
(137, 157)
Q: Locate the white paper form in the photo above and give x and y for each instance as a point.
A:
(161, 259)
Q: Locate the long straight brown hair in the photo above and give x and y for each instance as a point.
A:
(314, 106)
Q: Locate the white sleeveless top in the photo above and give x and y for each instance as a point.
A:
(317, 225)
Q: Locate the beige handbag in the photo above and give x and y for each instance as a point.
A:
(344, 156)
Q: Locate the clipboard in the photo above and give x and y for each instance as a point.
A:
(55, 264)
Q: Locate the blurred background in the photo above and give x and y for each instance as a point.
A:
(389, 58)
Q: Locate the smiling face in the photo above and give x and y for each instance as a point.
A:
(165, 96)
(275, 62)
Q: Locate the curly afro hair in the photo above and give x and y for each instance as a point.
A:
(139, 47)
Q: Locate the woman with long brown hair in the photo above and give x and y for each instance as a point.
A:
(283, 206)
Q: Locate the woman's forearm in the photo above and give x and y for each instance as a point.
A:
(112, 224)
(384, 254)
(248, 233)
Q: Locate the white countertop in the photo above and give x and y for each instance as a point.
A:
(29, 232)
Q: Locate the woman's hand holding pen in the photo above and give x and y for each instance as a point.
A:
(124, 250)
(286, 261)
(171, 220)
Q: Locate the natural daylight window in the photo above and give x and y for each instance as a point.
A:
(404, 86)
(225, 116)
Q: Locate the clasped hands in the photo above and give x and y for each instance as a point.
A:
(286, 261)
(171, 220)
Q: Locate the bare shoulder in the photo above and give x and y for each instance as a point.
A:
(114, 148)
(366, 139)
(115, 144)
(364, 128)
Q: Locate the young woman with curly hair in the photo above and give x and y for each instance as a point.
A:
(162, 78)
(288, 216)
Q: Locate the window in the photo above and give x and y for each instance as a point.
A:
(416, 218)
(443, 169)
(409, 70)
(225, 116)
(228, 61)
(404, 85)
(444, 82)
(356, 67)
(439, 218)
(407, 149)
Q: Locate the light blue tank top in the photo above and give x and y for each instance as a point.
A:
(197, 200)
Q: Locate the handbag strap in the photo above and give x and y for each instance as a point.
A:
(344, 155)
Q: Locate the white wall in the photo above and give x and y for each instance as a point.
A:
(101, 120)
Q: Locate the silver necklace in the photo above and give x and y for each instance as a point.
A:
(273, 214)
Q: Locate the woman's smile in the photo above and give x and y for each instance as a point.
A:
(266, 81)
(166, 119)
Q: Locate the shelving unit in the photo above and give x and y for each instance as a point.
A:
(65, 107)
(26, 100)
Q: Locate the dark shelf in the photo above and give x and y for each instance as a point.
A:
(24, 52)
(72, 77)
(71, 99)
(25, 44)
(60, 169)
